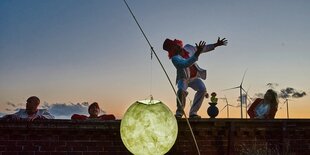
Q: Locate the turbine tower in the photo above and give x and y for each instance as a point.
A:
(241, 90)
(287, 111)
(246, 98)
(226, 106)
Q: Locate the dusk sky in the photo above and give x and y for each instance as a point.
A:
(75, 51)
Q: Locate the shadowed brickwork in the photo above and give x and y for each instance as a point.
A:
(218, 136)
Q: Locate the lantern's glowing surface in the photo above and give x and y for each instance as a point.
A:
(148, 127)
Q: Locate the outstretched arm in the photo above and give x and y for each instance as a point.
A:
(207, 48)
(220, 42)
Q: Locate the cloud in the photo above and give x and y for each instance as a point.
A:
(11, 104)
(63, 110)
(59, 110)
(2, 114)
(259, 95)
(12, 107)
(272, 85)
(291, 92)
(66, 110)
(299, 94)
(285, 93)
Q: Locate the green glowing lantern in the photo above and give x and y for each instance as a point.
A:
(148, 127)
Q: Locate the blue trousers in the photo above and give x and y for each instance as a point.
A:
(198, 86)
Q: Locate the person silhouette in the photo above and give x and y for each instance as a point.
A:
(265, 108)
(31, 112)
(189, 74)
(94, 111)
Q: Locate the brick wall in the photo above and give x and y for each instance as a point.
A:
(219, 136)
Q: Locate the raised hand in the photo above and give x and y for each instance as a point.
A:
(200, 47)
(221, 42)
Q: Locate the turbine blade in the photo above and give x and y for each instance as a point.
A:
(243, 77)
(231, 88)
(248, 89)
(224, 107)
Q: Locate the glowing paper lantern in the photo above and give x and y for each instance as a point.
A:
(148, 127)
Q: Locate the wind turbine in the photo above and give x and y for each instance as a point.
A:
(287, 111)
(226, 106)
(241, 89)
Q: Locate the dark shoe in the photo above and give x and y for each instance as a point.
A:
(195, 117)
(178, 116)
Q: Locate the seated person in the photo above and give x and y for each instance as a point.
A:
(265, 108)
(31, 112)
(93, 111)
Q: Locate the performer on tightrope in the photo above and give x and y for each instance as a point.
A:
(189, 74)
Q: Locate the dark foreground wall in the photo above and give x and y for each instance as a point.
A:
(220, 136)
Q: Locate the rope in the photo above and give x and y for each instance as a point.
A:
(153, 51)
(151, 73)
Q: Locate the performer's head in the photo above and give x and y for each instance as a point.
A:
(173, 47)
(94, 109)
(272, 97)
(32, 105)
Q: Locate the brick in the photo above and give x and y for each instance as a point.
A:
(108, 143)
(27, 153)
(31, 148)
(96, 148)
(63, 148)
(58, 153)
(4, 137)
(47, 148)
(91, 143)
(23, 142)
(2, 148)
(93, 153)
(41, 143)
(57, 143)
(17, 137)
(10, 153)
(116, 153)
(80, 148)
(36, 137)
(75, 153)
(14, 148)
(74, 144)
(42, 153)
(7, 143)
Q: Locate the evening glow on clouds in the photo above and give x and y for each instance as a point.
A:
(75, 51)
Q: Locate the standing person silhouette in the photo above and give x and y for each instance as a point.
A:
(189, 74)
